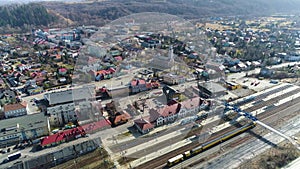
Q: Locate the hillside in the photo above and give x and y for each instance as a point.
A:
(18, 17)
(99, 12)
(91, 12)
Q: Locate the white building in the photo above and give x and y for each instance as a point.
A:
(62, 114)
(15, 110)
(27, 127)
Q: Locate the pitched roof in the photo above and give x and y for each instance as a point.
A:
(122, 117)
(153, 115)
(144, 123)
(164, 112)
(170, 110)
(192, 103)
(96, 125)
(11, 107)
(62, 136)
(137, 82)
(62, 70)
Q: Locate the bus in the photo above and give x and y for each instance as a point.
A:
(14, 156)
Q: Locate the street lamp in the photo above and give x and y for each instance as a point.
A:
(54, 161)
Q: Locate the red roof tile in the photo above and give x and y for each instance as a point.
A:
(61, 136)
(122, 117)
(62, 70)
(10, 107)
(170, 110)
(192, 103)
(96, 125)
(153, 115)
(144, 123)
(137, 82)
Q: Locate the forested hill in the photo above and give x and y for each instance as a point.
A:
(22, 16)
(98, 12)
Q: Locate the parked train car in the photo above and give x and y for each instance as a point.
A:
(205, 146)
(246, 100)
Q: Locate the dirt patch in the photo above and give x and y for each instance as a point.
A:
(94, 160)
(273, 158)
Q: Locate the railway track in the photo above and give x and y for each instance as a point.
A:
(129, 144)
(253, 134)
(271, 101)
(160, 161)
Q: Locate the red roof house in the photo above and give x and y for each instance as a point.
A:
(62, 136)
(143, 125)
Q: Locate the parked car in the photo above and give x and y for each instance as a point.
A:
(3, 151)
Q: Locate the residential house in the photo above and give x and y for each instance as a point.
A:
(2, 84)
(161, 116)
(7, 97)
(115, 53)
(15, 110)
(170, 113)
(62, 71)
(241, 66)
(22, 67)
(119, 118)
(165, 115)
(102, 74)
(137, 85)
(143, 125)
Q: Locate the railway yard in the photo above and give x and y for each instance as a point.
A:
(274, 106)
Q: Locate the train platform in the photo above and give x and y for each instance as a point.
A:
(154, 141)
(163, 151)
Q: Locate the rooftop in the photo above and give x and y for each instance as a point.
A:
(67, 96)
(61, 136)
(27, 122)
(11, 107)
(144, 123)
